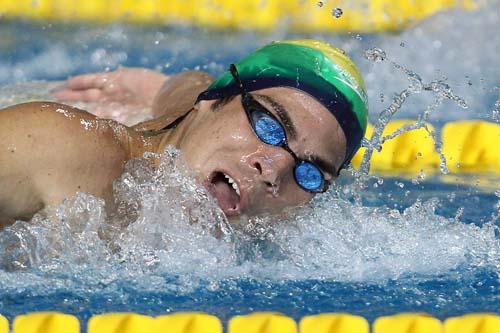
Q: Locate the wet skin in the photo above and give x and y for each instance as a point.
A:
(263, 173)
(49, 151)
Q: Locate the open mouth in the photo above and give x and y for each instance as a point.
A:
(226, 191)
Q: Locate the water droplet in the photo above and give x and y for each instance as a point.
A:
(495, 114)
(382, 97)
(320, 4)
(375, 54)
(419, 178)
(416, 84)
(337, 12)
(275, 192)
(437, 44)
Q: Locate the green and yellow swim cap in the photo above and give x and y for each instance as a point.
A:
(317, 68)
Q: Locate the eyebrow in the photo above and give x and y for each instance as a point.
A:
(282, 114)
(324, 165)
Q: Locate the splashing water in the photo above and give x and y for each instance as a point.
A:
(441, 90)
(375, 54)
(495, 114)
(82, 227)
(162, 222)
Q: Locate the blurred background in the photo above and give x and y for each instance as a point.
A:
(454, 41)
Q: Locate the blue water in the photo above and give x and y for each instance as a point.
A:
(450, 287)
(430, 246)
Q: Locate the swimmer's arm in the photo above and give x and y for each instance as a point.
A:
(158, 94)
(127, 86)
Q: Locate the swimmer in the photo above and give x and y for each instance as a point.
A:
(270, 133)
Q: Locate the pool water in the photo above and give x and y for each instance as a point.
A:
(391, 244)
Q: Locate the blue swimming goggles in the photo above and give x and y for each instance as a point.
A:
(270, 131)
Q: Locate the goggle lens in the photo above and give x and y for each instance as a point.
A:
(268, 130)
(308, 176)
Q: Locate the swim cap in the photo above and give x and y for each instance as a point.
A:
(312, 66)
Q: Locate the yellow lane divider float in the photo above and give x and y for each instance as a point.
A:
(408, 152)
(473, 323)
(334, 323)
(4, 325)
(260, 322)
(52, 322)
(468, 146)
(189, 322)
(298, 15)
(121, 322)
(407, 323)
(472, 146)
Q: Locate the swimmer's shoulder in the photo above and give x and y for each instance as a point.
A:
(56, 121)
(176, 98)
(49, 151)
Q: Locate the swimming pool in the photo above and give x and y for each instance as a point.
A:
(400, 244)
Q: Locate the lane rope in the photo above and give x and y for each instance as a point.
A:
(258, 322)
(301, 16)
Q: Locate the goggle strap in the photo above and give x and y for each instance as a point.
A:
(236, 76)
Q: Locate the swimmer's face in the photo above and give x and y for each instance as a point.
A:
(224, 149)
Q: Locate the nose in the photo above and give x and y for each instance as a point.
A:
(271, 164)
